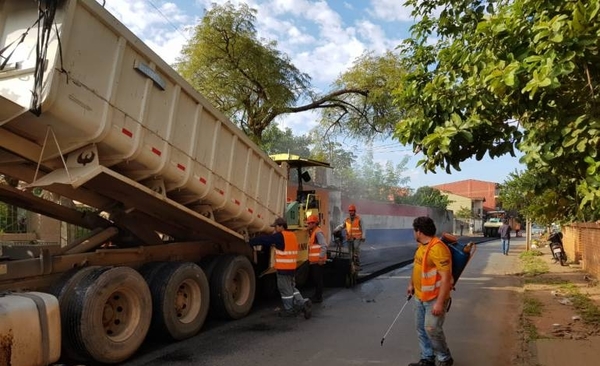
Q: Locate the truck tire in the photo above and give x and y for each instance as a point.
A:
(180, 300)
(107, 314)
(208, 265)
(63, 290)
(149, 270)
(232, 287)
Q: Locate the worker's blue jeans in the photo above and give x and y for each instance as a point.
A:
(505, 246)
(432, 340)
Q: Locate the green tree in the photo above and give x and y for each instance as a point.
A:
(252, 82)
(464, 213)
(366, 178)
(425, 196)
(501, 75)
(364, 118)
(275, 141)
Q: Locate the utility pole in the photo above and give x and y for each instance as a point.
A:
(528, 237)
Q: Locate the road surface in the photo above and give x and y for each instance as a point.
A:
(347, 328)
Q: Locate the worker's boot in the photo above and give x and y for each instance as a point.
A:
(423, 362)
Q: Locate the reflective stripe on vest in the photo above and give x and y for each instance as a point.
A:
(431, 281)
(286, 259)
(314, 248)
(353, 229)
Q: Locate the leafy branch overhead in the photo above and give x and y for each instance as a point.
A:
(252, 82)
(490, 77)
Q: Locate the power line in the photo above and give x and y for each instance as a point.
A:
(167, 19)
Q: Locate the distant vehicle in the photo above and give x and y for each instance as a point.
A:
(537, 230)
(493, 223)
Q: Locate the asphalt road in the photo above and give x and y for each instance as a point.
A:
(347, 328)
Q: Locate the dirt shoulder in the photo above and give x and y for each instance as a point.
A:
(560, 321)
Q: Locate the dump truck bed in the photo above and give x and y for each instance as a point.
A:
(96, 84)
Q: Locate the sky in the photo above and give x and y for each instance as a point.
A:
(322, 38)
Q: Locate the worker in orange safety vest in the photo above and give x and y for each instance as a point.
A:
(355, 231)
(286, 257)
(430, 283)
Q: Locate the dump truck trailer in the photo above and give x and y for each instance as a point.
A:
(172, 191)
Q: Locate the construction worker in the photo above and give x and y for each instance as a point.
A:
(430, 283)
(317, 256)
(355, 232)
(286, 256)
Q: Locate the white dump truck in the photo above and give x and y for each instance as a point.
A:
(172, 190)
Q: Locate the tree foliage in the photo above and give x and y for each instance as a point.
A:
(464, 213)
(502, 75)
(253, 83)
(275, 141)
(372, 116)
(522, 192)
(425, 196)
(366, 179)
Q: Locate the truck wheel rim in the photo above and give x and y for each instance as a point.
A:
(120, 315)
(240, 287)
(188, 301)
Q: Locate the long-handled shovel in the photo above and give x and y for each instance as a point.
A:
(394, 322)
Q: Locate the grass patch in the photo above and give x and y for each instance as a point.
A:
(546, 280)
(531, 332)
(533, 265)
(532, 306)
(586, 307)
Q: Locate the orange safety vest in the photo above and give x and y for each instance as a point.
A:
(314, 248)
(353, 229)
(431, 280)
(286, 259)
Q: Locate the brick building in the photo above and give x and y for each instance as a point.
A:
(477, 190)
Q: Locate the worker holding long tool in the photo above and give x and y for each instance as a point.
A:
(431, 282)
(355, 232)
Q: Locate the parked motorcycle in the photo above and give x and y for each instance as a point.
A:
(557, 249)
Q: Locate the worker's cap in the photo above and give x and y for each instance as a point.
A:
(280, 221)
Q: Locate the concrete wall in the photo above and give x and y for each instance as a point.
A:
(388, 223)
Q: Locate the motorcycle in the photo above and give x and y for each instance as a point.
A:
(557, 249)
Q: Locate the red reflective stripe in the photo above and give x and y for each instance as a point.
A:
(202, 180)
(236, 202)
(126, 132)
(181, 167)
(251, 210)
(156, 151)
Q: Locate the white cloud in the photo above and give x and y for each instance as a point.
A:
(162, 28)
(390, 10)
